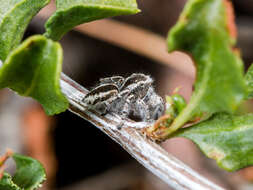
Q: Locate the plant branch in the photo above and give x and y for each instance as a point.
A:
(175, 173)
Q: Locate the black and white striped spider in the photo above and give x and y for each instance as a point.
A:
(132, 97)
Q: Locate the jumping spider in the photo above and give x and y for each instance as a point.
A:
(133, 97)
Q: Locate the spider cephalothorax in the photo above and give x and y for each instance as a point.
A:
(132, 97)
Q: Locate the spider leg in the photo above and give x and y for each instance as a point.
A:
(122, 103)
(120, 125)
(126, 109)
(105, 106)
(116, 80)
(120, 107)
(156, 106)
(141, 109)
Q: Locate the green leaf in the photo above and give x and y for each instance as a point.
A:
(15, 15)
(6, 183)
(29, 174)
(249, 82)
(202, 31)
(225, 138)
(71, 13)
(33, 69)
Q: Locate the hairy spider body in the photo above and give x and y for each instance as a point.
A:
(133, 97)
